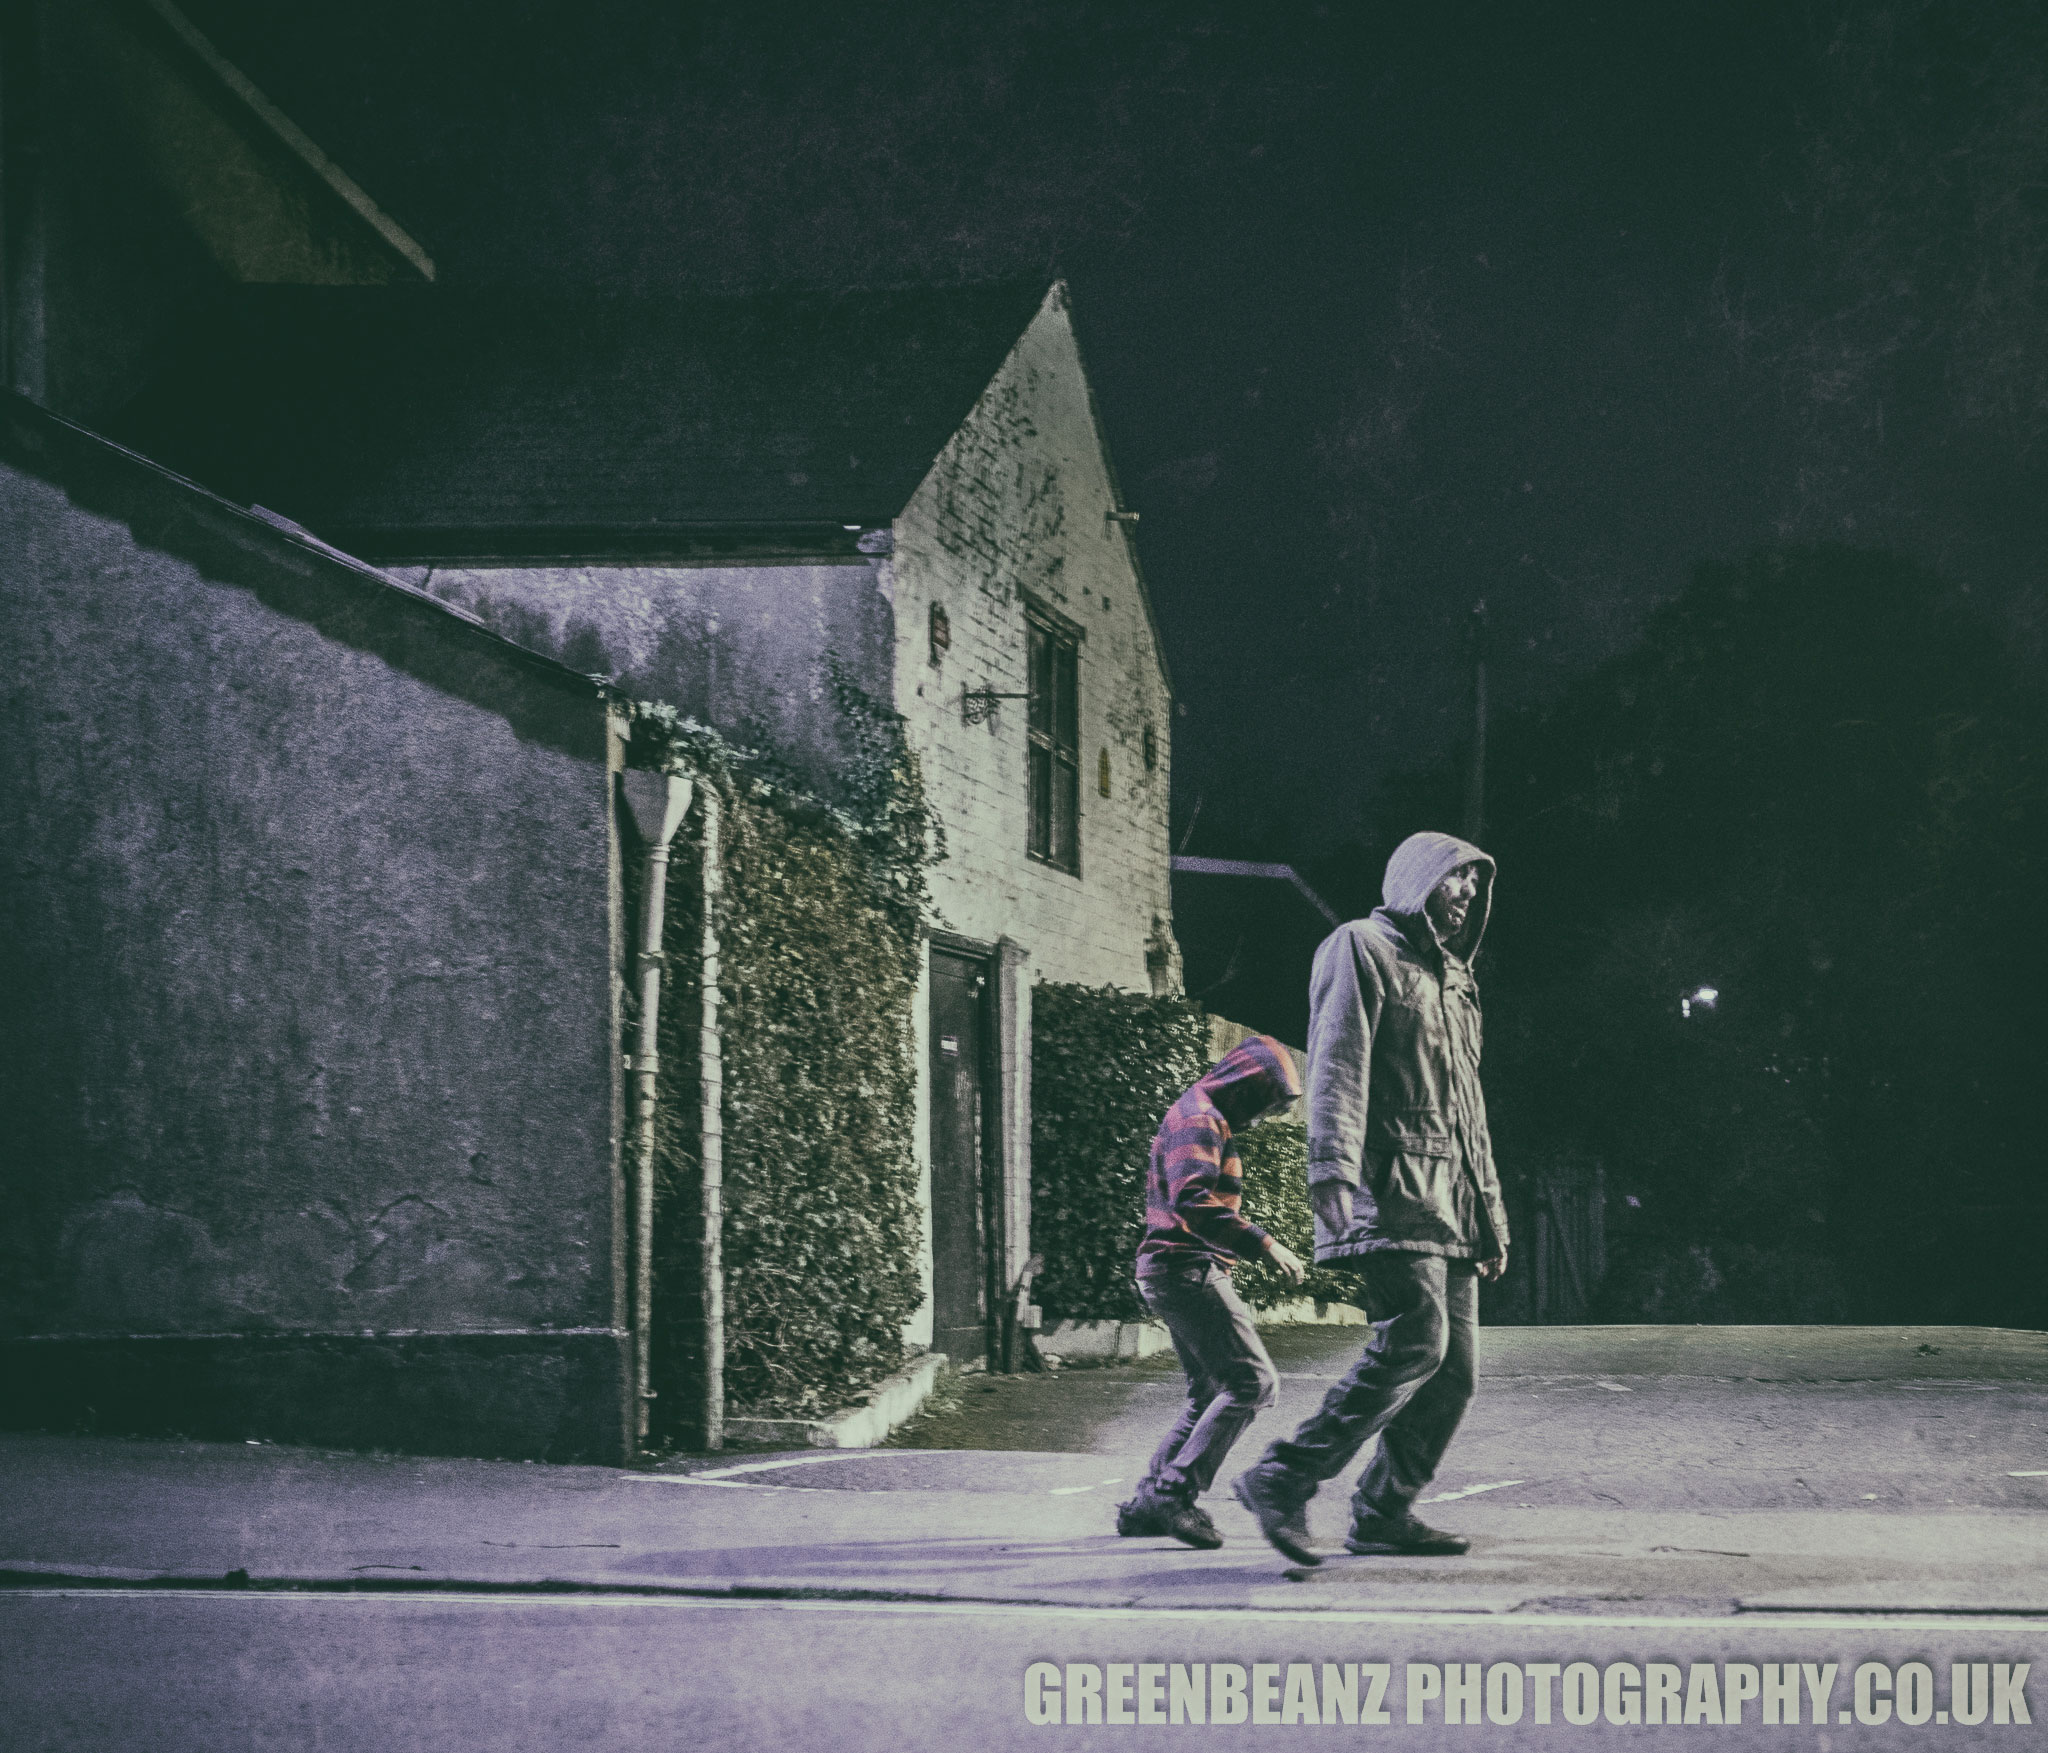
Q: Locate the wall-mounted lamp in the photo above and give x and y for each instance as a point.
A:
(980, 705)
(1112, 515)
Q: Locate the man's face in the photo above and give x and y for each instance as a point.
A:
(1451, 900)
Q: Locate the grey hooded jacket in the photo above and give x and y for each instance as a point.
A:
(1394, 1106)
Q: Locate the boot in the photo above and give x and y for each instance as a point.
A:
(1372, 1536)
(1283, 1521)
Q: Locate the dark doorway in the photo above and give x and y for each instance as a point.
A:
(963, 1123)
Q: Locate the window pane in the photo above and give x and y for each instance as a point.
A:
(1039, 644)
(1066, 816)
(1068, 735)
(1040, 833)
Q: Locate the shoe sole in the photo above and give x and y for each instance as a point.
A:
(1200, 1542)
(1274, 1538)
(1386, 1549)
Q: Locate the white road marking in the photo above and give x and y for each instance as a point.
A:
(2028, 1473)
(1614, 1387)
(1068, 1490)
(723, 1475)
(1474, 1490)
(795, 1461)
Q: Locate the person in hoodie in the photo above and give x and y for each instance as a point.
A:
(1402, 1181)
(1194, 1230)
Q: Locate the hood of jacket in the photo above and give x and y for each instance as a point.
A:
(1251, 1080)
(1419, 863)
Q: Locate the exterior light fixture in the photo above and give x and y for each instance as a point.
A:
(1704, 998)
(980, 705)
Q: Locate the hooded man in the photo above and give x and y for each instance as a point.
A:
(1194, 1229)
(1401, 1177)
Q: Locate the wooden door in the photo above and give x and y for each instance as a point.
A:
(963, 1125)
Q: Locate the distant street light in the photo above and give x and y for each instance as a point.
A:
(1705, 998)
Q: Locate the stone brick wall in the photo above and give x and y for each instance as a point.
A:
(1017, 503)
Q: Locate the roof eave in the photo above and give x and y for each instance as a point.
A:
(1061, 291)
(34, 426)
(839, 542)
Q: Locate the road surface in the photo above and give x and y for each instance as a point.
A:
(1692, 1522)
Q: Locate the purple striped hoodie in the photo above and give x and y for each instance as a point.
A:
(1196, 1183)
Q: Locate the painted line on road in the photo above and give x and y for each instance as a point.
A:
(1474, 1490)
(721, 1476)
(2028, 1473)
(2029, 1619)
(772, 1466)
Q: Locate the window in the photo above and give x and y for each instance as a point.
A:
(1055, 742)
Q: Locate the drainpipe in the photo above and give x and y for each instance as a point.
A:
(710, 1429)
(658, 802)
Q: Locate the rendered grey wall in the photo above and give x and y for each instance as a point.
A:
(307, 1023)
(743, 648)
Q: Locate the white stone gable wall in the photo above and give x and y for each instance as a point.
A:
(1016, 503)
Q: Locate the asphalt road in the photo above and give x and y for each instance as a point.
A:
(384, 1674)
(1717, 1500)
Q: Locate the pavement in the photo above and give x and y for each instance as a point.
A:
(1729, 1488)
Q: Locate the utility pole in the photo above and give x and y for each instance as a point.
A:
(1475, 765)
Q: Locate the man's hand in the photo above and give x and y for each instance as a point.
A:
(1492, 1269)
(1289, 1262)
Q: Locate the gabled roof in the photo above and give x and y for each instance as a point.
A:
(436, 423)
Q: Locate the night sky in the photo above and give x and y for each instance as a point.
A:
(1390, 308)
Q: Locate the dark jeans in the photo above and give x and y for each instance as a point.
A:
(1230, 1377)
(1409, 1389)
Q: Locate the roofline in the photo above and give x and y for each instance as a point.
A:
(1060, 290)
(839, 543)
(289, 135)
(19, 410)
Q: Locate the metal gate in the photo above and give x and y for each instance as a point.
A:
(1568, 1258)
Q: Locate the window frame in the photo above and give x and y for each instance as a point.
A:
(1052, 737)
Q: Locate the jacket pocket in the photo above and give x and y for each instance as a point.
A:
(1399, 1137)
(1410, 1166)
